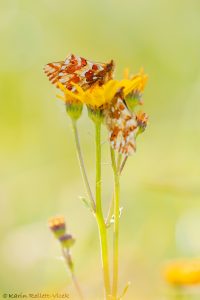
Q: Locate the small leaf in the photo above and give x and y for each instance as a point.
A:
(86, 203)
(125, 290)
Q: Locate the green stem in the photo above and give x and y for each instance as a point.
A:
(99, 213)
(98, 168)
(116, 225)
(76, 283)
(69, 262)
(82, 165)
(110, 211)
(120, 167)
(179, 294)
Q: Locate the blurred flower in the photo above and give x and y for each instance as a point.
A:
(57, 226)
(183, 272)
(67, 240)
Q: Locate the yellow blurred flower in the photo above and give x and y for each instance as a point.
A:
(57, 226)
(183, 272)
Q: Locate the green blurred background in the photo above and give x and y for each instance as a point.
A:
(39, 174)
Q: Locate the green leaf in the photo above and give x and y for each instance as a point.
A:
(125, 290)
(86, 203)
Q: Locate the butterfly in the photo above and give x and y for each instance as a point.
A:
(122, 126)
(76, 69)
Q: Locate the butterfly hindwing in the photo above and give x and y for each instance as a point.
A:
(121, 124)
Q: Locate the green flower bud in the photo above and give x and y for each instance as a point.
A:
(142, 119)
(133, 99)
(74, 110)
(95, 114)
(67, 241)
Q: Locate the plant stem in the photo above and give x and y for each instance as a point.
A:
(116, 226)
(120, 167)
(179, 293)
(104, 256)
(99, 213)
(76, 283)
(110, 211)
(82, 165)
(98, 167)
(69, 262)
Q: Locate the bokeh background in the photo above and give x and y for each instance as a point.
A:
(39, 174)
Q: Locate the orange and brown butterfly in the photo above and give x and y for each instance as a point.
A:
(76, 69)
(122, 126)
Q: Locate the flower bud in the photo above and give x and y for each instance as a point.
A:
(67, 241)
(141, 118)
(74, 110)
(95, 114)
(133, 99)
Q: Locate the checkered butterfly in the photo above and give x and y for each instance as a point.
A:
(122, 126)
(76, 69)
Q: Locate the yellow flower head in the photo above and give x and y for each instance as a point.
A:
(133, 88)
(183, 272)
(68, 97)
(100, 95)
(95, 97)
(135, 83)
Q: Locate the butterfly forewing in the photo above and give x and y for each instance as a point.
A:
(76, 69)
(52, 70)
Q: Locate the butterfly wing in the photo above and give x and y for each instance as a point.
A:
(122, 126)
(78, 70)
(52, 70)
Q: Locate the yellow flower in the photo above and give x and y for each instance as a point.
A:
(69, 97)
(95, 97)
(133, 88)
(99, 96)
(183, 272)
(134, 83)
